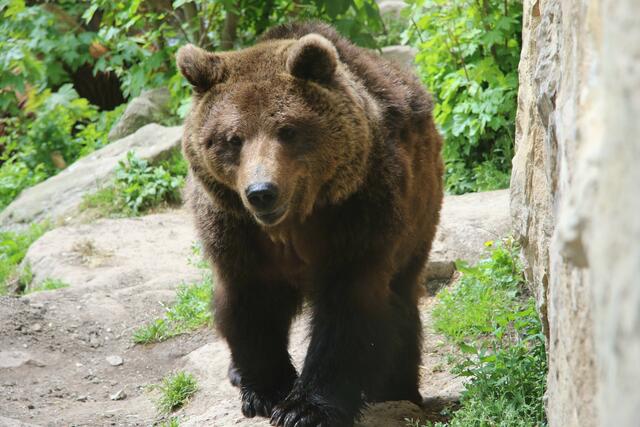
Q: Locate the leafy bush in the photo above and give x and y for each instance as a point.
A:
(498, 331)
(145, 186)
(64, 127)
(483, 295)
(468, 57)
(139, 187)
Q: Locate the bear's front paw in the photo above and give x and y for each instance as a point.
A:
(260, 404)
(302, 410)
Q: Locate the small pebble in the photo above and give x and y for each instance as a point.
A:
(81, 398)
(36, 327)
(115, 360)
(119, 395)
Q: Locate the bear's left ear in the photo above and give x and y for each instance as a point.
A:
(203, 69)
(313, 58)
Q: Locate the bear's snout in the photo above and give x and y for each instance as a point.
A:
(263, 201)
(262, 196)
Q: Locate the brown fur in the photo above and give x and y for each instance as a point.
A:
(350, 142)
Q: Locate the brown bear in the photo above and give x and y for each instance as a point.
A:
(315, 173)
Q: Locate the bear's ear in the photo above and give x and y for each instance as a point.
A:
(313, 58)
(201, 68)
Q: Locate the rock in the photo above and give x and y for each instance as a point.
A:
(404, 56)
(145, 251)
(13, 359)
(36, 327)
(391, 8)
(119, 395)
(115, 361)
(151, 106)
(466, 223)
(81, 398)
(10, 422)
(61, 195)
(575, 204)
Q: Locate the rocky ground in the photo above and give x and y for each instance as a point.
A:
(67, 356)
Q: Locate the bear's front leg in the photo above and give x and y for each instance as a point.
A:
(351, 347)
(255, 317)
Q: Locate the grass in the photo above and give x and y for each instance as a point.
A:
(172, 422)
(47, 285)
(190, 311)
(502, 350)
(104, 203)
(13, 248)
(484, 294)
(175, 391)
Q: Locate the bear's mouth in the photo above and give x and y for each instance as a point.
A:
(273, 217)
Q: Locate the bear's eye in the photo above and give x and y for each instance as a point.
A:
(287, 133)
(235, 140)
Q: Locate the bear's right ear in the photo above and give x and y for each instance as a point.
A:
(201, 68)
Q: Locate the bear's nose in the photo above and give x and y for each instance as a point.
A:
(262, 196)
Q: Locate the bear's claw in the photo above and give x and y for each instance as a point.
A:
(302, 412)
(259, 404)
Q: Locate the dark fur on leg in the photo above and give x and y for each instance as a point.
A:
(255, 320)
(404, 376)
(351, 344)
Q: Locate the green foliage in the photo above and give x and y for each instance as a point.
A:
(63, 128)
(48, 285)
(144, 186)
(42, 45)
(191, 310)
(175, 391)
(498, 332)
(172, 422)
(483, 296)
(13, 248)
(139, 187)
(468, 57)
(155, 331)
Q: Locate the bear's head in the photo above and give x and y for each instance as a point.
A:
(282, 127)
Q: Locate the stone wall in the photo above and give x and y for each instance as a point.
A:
(575, 202)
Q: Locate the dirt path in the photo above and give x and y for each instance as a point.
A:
(56, 347)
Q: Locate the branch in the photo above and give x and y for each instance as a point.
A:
(228, 35)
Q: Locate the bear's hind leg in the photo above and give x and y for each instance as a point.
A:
(255, 320)
(403, 377)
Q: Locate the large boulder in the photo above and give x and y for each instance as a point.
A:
(152, 106)
(404, 56)
(61, 195)
(391, 9)
(575, 202)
